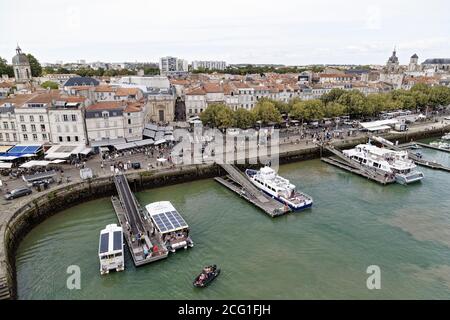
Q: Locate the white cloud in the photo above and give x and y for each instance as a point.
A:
(282, 31)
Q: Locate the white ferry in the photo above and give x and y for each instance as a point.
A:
(440, 145)
(170, 224)
(279, 188)
(110, 250)
(386, 161)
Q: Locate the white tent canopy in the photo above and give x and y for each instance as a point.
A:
(35, 163)
(5, 165)
(65, 151)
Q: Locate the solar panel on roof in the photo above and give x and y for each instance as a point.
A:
(169, 221)
(104, 242)
(117, 243)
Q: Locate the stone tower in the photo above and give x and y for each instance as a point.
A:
(414, 63)
(393, 65)
(21, 65)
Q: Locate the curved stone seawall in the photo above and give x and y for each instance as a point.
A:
(28, 213)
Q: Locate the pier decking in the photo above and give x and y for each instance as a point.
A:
(130, 217)
(237, 182)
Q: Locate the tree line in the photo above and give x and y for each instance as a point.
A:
(251, 69)
(336, 103)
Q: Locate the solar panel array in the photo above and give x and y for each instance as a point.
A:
(117, 243)
(169, 221)
(104, 242)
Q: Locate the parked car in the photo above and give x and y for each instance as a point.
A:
(17, 193)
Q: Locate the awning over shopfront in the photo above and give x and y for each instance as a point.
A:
(22, 150)
(5, 165)
(35, 163)
(107, 142)
(64, 151)
(4, 149)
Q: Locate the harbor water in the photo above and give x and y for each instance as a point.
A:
(321, 253)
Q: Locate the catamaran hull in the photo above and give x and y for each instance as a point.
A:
(407, 180)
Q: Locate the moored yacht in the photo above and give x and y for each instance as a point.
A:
(279, 188)
(386, 161)
(446, 136)
(110, 250)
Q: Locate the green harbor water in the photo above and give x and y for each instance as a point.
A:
(322, 253)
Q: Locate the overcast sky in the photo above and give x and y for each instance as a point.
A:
(292, 32)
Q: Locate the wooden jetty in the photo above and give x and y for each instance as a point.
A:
(431, 147)
(237, 182)
(139, 232)
(341, 161)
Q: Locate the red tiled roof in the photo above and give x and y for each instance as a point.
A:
(107, 105)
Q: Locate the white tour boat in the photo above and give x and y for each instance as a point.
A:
(440, 145)
(386, 161)
(446, 136)
(170, 224)
(110, 250)
(279, 188)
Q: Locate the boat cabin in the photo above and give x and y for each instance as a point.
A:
(170, 224)
(110, 251)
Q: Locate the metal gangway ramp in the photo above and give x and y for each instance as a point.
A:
(238, 182)
(139, 232)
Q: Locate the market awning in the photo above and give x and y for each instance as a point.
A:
(125, 146)
(5, 165)
(160, 142)
(8, 158)
(4, 149)
(65, 151)
(147, 142)
(39, 176)
(86, 151)
(35, 163)
(57, 161)
(107, 142)
(21, 150)
(379, 128)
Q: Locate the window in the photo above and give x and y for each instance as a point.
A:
(33, 128)
(25, 137)
(57, 117)
(76, 138)
(44, 136)
(23, 127)
(60, 139)
(41, 118)
(74, 117)
(35, 137)
(22, 119)
(43, 127)
(68, 139)
(130, 130)
(129, 121)
(1, 136)
(31, 118)
(7, 136)
(13, 126)
(14, 137)
(65, 117)
(5, 125)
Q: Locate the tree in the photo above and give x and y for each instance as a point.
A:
(217, 115)
(50, 84)
(266, 112)
(334, 109)
(36, 69)
(354, 101)
(439, 96)
(308, 110)
(243, 118)
(5, 68)
(332, 96)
